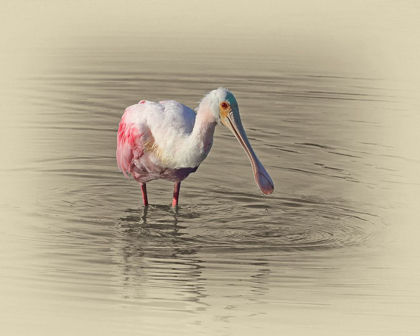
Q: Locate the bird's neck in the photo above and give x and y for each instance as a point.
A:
(204, 127)
(198, 144)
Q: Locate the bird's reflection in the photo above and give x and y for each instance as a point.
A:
(160, 263)
(151, 220)
(153, 252)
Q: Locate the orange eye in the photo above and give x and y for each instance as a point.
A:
(224, 105)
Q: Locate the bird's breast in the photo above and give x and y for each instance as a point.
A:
(181, 154)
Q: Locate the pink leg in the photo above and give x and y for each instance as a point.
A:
(144, 193)
(177, 187)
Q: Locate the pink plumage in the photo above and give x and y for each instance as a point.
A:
(128, 146)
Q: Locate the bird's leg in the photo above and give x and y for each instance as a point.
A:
(144, 193)
(177, 187)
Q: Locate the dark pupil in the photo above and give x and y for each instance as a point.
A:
(224, 105)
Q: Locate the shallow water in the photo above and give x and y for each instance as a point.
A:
(328, 95)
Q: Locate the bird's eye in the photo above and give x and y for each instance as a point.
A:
(224, 105)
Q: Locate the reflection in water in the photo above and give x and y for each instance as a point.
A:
(153, 256)
(153, 253)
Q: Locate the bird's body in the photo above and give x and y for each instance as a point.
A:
(168, 140)
(157, 141)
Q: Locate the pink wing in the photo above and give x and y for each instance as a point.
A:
(129, 145)
(149, 123)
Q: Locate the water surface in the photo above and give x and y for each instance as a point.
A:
(329, 98)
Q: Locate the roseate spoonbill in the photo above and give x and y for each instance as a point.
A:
(167, 140)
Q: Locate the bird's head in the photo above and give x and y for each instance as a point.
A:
(225, 109)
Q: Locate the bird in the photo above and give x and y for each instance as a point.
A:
(168, 140)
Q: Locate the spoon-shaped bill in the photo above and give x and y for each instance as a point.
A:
(261, 176)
